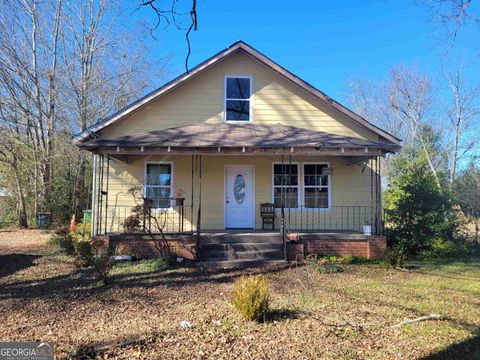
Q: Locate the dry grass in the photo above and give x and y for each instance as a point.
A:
(44, 297)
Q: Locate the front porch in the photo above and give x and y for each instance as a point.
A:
(326, 184)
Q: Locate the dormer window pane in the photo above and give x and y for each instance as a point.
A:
(237, 98)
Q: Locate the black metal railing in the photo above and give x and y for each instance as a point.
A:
(334, 219)
(168, 215)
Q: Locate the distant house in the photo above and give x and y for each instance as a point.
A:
(236, 132)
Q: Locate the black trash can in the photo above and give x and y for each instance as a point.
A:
(43, 220)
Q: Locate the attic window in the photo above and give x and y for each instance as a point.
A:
(237, 98)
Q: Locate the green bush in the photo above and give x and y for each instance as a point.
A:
(417, 210)
(84, 254)
(444, 249)
(250, 297)
(64, 240)
(395, 257)
(82, 231)
(355, 260)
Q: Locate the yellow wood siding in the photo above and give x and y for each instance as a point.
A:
(201, 99)
(350, 185)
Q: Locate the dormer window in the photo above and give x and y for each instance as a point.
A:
(237, 98)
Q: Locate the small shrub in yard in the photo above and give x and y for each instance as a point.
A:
(64, 240)
(84, 254)
(395, 257)
(251, 297)
(102, 264)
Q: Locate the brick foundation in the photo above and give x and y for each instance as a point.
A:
(144, 247)
(376, 247)
(372, 247)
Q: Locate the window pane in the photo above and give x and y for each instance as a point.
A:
(285, 169)
(160, 196)
(290, 197)
(238, 110)
(238, 88)
(316, 197)
(313, 175)
(159, 174)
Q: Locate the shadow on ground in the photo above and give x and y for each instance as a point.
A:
(467, 349)
(80, 282)
(11, 263)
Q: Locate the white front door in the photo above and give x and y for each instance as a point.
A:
(239, 197)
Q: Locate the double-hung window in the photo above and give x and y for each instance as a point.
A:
(237, 98)
(316, 187)
(285, 185)
(158, 184)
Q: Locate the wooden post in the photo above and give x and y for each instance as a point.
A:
(106, 193)
(372, 212)
(191, 199)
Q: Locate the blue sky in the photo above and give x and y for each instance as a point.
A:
(325, 43)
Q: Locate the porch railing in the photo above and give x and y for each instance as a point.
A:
(334, 219)
(175, 216)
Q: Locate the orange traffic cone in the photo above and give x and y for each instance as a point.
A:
(73, 223)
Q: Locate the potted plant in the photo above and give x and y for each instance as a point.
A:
(179, 199)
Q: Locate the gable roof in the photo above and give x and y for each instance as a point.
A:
(238, 46)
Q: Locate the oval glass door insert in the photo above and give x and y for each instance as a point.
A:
(239, 189)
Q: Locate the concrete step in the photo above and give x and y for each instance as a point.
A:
(207, 247)
(247, 255)
(225, 238)
(238, 263)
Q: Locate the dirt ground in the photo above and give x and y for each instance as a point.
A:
(314, 315)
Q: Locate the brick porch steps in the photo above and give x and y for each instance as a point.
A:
(240, 248)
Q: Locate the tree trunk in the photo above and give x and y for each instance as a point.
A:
(80, 188)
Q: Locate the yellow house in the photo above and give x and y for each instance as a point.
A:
(208, 157)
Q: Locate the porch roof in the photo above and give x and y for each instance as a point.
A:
(224, 135)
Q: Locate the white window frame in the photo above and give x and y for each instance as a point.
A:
(329, 186)
(250, 99)
(171, 186)
(301, 183)
(298, 182)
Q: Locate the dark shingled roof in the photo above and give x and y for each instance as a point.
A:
(234, 135)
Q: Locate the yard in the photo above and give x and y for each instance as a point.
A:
(315, 315)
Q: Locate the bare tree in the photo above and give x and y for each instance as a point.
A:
(105, 68)
(28, 88)
(411, 97)
(463, 111)
(449, 16)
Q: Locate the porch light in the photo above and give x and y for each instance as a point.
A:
(141, 149)
(342, 150)
(118, 148)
